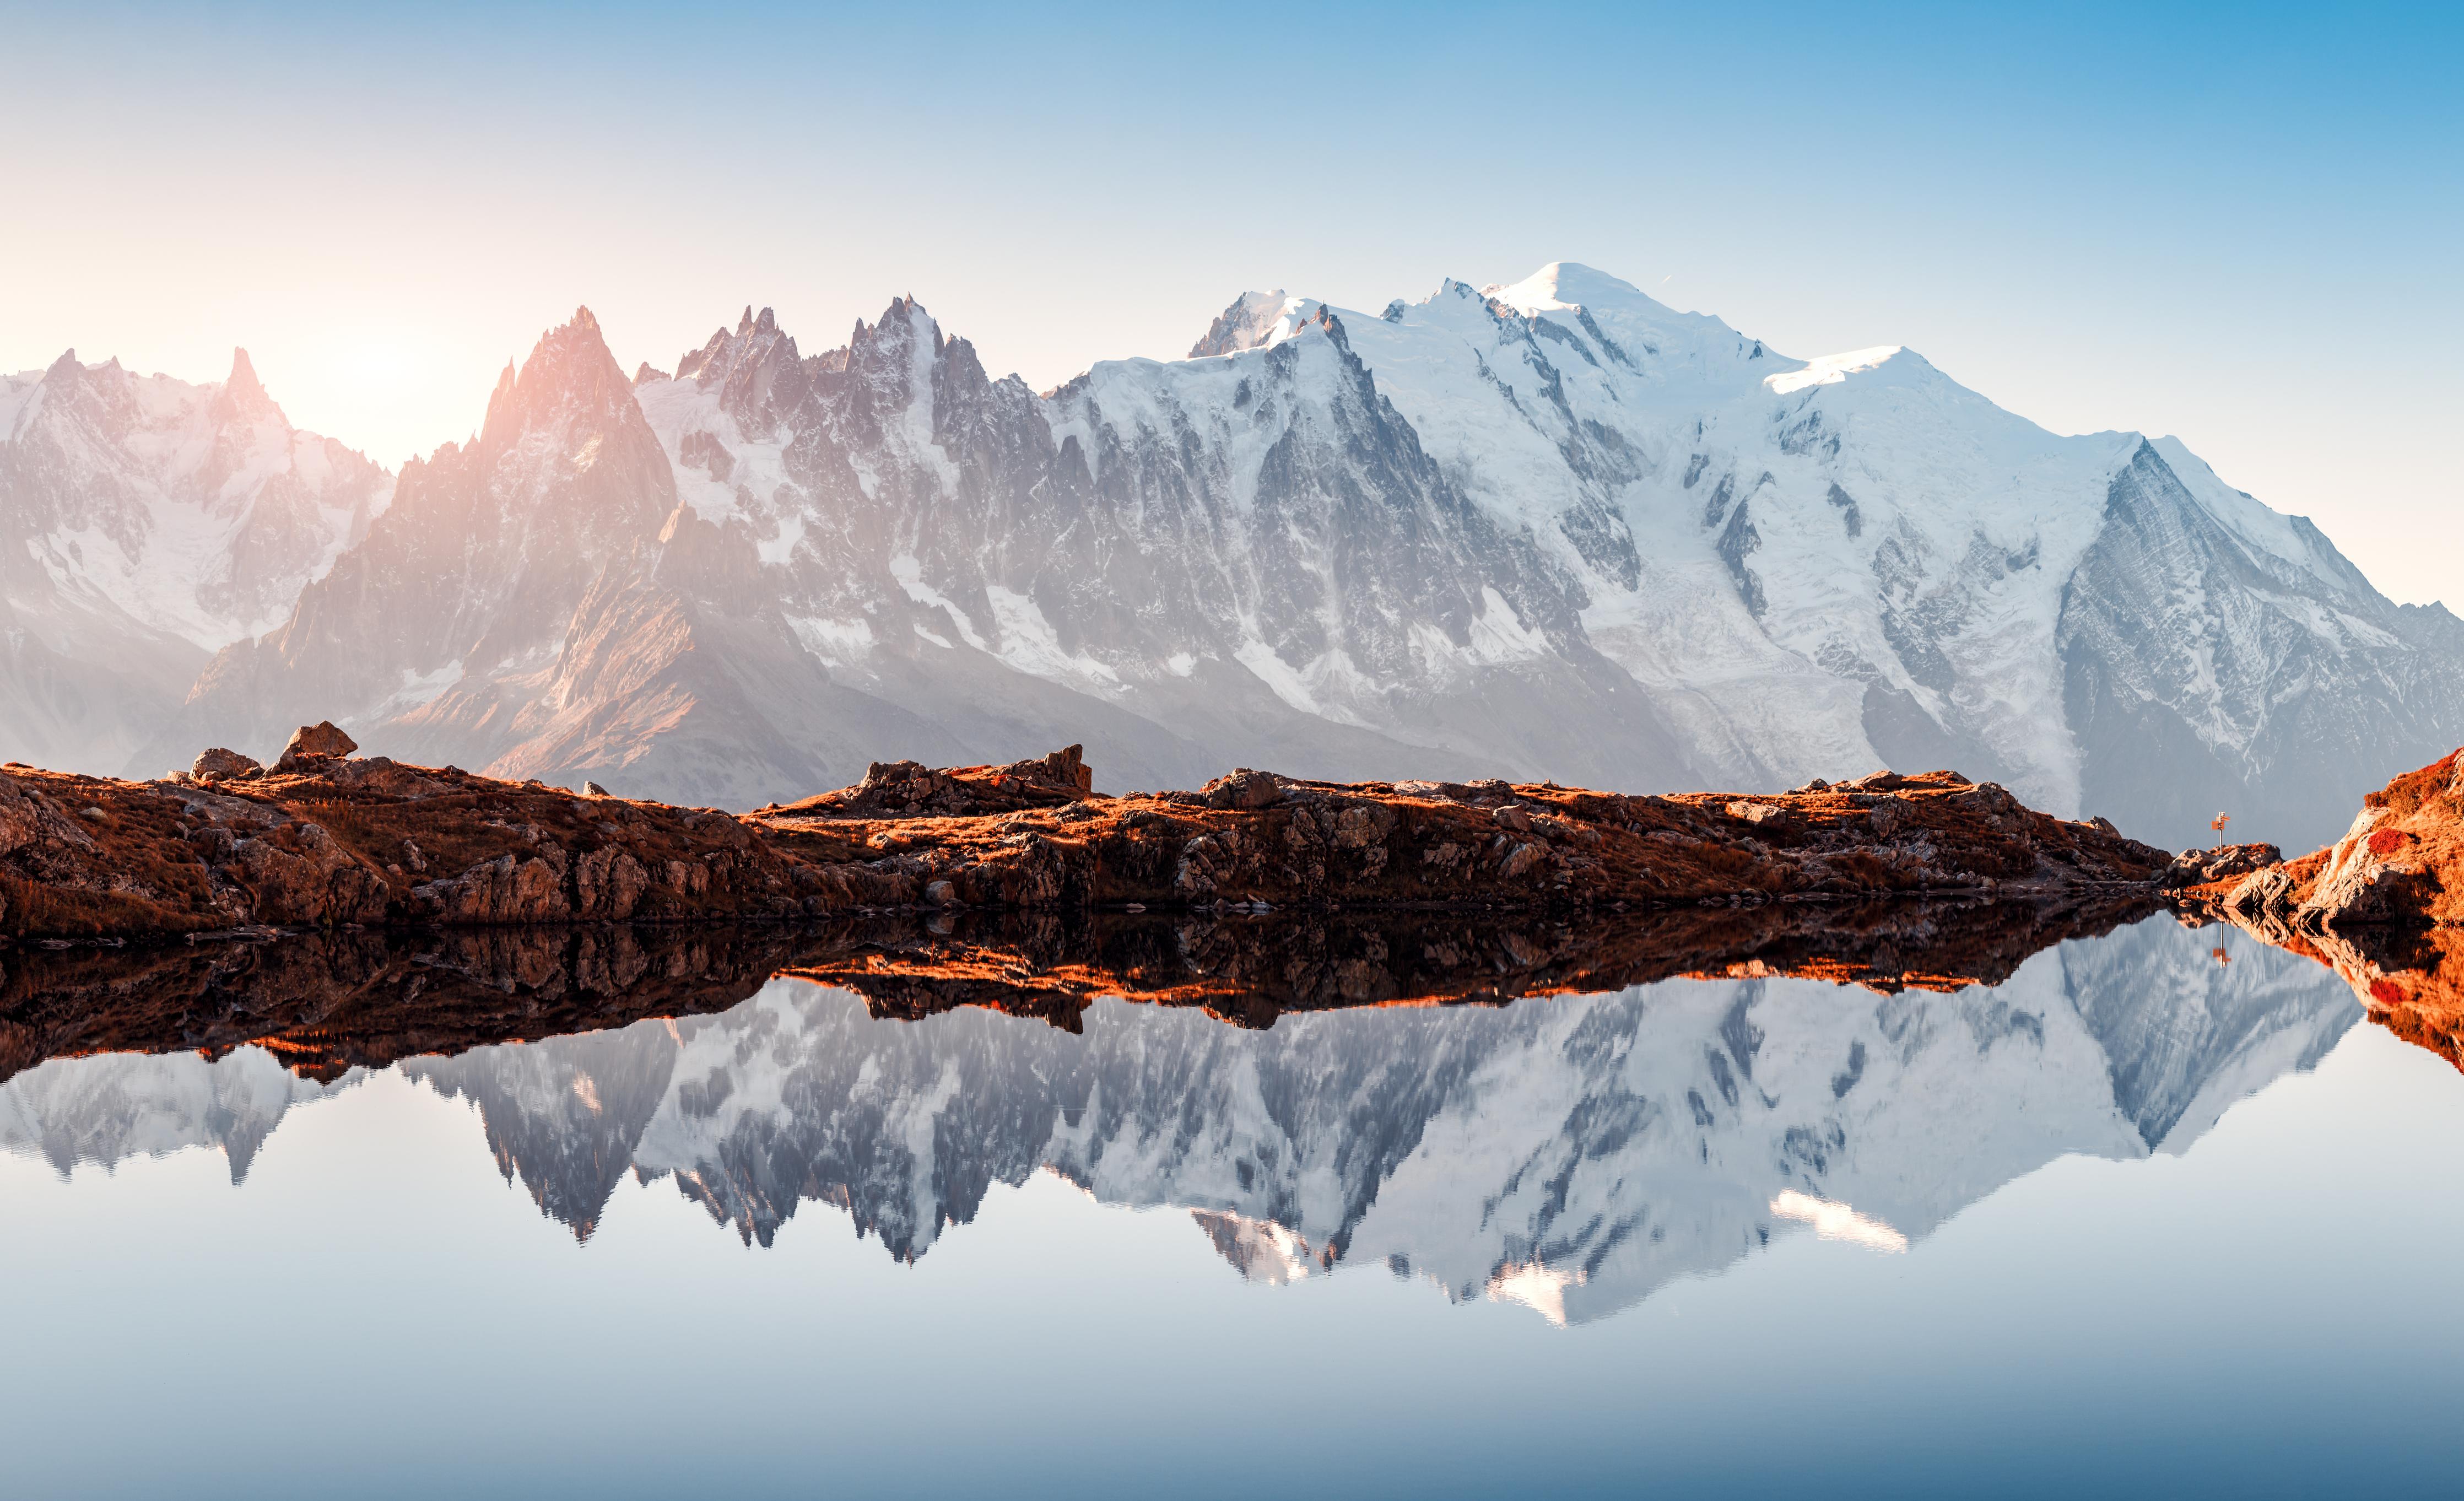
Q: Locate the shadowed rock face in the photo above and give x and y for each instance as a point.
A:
(1572, 1153)
(328, 1003)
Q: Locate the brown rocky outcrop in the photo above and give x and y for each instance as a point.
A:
(34, 828)
(2382, 906)
(327, 840)
(2401, 864)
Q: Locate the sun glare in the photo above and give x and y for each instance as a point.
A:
(378, 362)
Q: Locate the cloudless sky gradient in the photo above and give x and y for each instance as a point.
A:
(2239, 223)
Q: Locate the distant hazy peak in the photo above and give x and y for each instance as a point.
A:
(243, 395)
(570, 365)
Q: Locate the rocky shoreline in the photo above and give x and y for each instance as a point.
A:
(428, 910)
(324, 839)
(2382, 906)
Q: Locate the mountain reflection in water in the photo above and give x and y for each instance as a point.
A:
(1572, 1153)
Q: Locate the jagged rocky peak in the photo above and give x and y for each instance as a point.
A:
(571, 371)
(477, 565)
(756, 371)
(151, 520)
(242, 394)
(724, 351)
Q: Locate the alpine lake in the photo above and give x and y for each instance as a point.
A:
(2155, 1212)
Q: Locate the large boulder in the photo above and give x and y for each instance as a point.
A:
(215, 765)
(912, 790)
(1064, 770)
(1245, 789)
(319, 740)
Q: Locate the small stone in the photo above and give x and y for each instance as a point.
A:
(594, 789)
(94, 815)
(940, 893)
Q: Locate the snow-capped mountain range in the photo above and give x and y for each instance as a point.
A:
(1573, 1153)
(1552, 529)
(146, 523)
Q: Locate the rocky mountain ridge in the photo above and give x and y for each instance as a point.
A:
(145, 524)
(1548, 528)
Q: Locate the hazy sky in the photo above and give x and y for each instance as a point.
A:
(2239, 223)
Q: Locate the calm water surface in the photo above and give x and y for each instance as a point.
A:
(2136, 1222)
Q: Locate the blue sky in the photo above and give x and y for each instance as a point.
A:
(2237, 224)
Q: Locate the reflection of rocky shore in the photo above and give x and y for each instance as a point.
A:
(1572, 1154)
(1251, 970)
(329, 1002)
(325, 1002)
